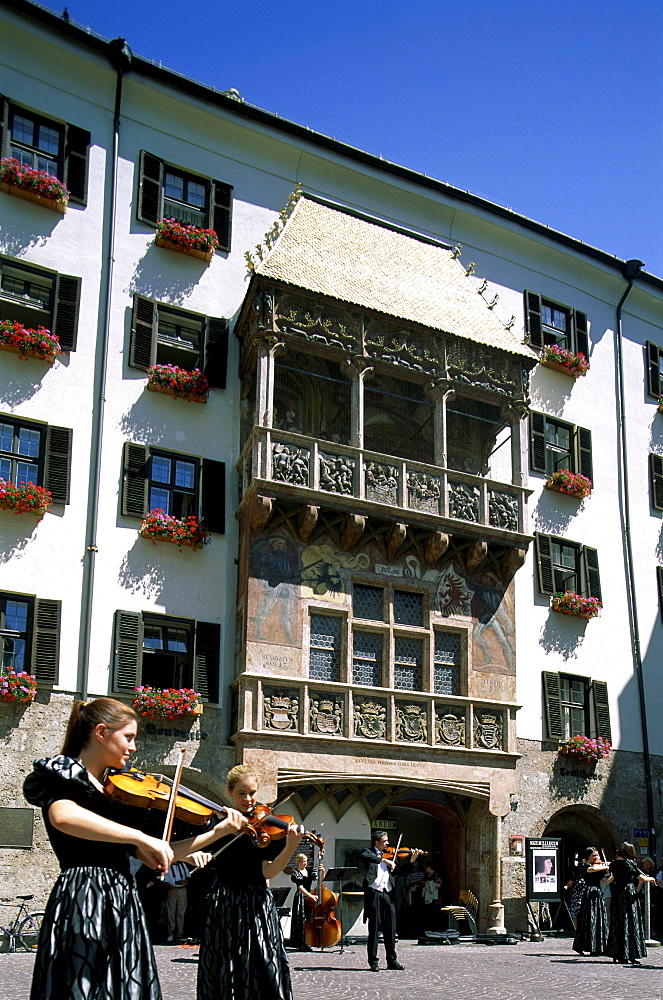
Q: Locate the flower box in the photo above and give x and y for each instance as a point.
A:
(584, 748)
(37, 186)
(28, 343)
(17, 686)
(166, 703)
(26, 499)
(561, 360)
(573, 604)
(161, 527)
(571, 483)
(178, 382)
(187, 239)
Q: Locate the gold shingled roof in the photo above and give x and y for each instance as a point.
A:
(328, 251)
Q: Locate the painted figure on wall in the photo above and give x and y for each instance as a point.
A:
(274, 564)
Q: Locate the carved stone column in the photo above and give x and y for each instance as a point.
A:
(441, 393)
(268, 345)
(496, 908)
(516, 415)
(357, 369)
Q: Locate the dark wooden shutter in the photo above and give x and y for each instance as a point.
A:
(57, 464)
(216, 351)
(601, 709)
(4, 126)
(592, 578)
(65, 311)
(533, 328)
(222, 213)
(659, 579)
(46, 640)
(213, 495)
(143, 333)
(545, 563)
(581, 333)
(653, 369)
(128, 654)
(537, 442)
(553, 702)
(150, 182)
(135, 482)
(206, 662)
(583, 443)
(656, 476)
(76, 149)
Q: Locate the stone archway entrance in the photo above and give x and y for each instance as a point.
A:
(581, 826)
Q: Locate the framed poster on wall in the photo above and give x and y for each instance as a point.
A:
(544, 870)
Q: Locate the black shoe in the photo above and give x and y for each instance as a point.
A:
(374, 967)
(396, 967)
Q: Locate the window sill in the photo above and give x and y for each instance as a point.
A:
(13, 349)
(200, 254)
(191, 397)
(27, 195)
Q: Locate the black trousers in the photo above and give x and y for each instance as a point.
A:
(381, 915)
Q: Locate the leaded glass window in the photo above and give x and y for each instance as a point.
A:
(325, 650)
(408, 661)
(408, 608)
(367, 602)
(367, 658)
(446, 667)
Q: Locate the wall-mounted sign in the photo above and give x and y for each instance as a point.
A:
(543, 868)
(16, 827)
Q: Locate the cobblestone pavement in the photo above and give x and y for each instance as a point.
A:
(546, 970)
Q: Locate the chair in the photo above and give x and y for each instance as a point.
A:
(465, 910)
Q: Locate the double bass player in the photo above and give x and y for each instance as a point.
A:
(379, 909)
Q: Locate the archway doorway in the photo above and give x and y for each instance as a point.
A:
(580, 827)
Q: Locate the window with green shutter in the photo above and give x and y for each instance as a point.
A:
(548, 322)
(575, 706)
(656, 480)
(564, 565)
(30, 635)
(556, 445)
(31, 452)
(164, 335)
(654, 369)
(46, 144)
(35, 296)
(166, 191)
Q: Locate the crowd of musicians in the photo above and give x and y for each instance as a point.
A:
(212, 887)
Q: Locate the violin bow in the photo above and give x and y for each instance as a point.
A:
(170, 813)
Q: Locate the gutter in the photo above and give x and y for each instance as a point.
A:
(631, 270)
(120, 57)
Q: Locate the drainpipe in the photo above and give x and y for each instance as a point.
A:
(631, 269)
(119, 55)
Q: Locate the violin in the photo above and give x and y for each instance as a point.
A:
(263, 827)
(321, 928)
(153, 791)
(400, 853)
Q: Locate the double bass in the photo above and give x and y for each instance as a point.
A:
(322, 929)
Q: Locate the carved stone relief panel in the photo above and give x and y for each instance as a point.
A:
(337, 474)
(423, 492)
(503, 510)
(489, 730)
(450, 728)
(326, 715)
(463, 502)
(474, 365)
(381, 482)
(280, 710)
(411, 722)
(290, 464)
(316, 321)
(371, 719)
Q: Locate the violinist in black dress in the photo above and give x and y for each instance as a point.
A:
(94, 943)
(592, 922)
(626, 940)
(242, 954)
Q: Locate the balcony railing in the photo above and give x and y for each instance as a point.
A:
(309, 708)
(305, 464)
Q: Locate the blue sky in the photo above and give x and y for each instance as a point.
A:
(549, 107)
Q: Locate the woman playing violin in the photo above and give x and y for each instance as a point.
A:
(94, 943)
(242, 955)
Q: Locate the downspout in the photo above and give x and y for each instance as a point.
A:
(119, 55)
(631, 270)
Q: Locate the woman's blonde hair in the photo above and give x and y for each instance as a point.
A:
(300, 857)
(239, 771)
(87, 715)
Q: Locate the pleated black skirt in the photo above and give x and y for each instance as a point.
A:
(94, 943)
(592, 932)
(626, 940)
(242, 955)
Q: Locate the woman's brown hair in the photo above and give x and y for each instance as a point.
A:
(238, 772)
(87, 715)
(626, 850)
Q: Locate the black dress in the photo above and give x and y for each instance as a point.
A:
(626, 940)
(242, 955)
(578, 888)
(94, 943)
(298, 917)
(592, 931)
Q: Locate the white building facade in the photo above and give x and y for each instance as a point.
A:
(93, 608)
